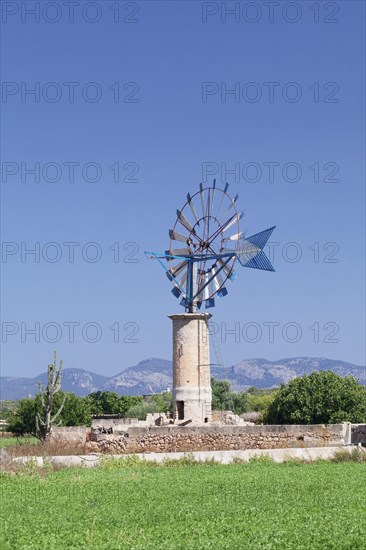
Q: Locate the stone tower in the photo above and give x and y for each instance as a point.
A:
(191, 367)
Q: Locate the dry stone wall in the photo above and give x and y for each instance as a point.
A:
(73, 434)
(218, 438)
(358, 434)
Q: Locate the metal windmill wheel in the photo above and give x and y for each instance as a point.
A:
(204, 225)
(208, 225)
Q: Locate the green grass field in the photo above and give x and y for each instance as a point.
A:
(258, 505)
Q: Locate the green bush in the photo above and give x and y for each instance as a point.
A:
(319, 398)
(224, 399)
(106, 402)
(141, 410)
(77, 411)
(260, 399)
(22, 420)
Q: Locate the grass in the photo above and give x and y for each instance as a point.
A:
(13, 440)
(177, 506)
(31, 446)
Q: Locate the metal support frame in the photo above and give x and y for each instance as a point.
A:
(190, 293)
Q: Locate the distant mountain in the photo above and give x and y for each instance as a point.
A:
(149, 376)
(79, 381)
(155, 375)
(267, 374)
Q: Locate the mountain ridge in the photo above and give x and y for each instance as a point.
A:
(154, 375)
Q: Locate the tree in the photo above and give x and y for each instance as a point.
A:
(224, 399)
(103, 402)
(141, 410)
(319, 398)
(240, 402)
(106, 402)
(260, 399)
(47, 418)
(164, 402)
(75, 412)
(22, 420)
(156, 403)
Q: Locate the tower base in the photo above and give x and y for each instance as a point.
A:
(191, 367)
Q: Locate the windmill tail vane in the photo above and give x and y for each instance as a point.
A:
(203, 251)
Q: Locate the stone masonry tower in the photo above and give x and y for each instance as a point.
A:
(191, 367)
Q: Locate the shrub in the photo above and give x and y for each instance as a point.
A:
(224, 399)
(262, 459)
(356, 455)
(319, 398)
(141, 410)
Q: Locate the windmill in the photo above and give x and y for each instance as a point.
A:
(205, 243)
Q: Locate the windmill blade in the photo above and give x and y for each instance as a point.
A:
(202, 199)
(176, 292)
(178, 252)
(217, 280)
(183, 281)
(223, 227)
(180, 287)
(222, 292)
(235, 237)
(178, 268)
(183, 302)
(208, 203)
(233, 201)
(191, 206)
(213, 194)
(216, 284)
(210, 275)
(208, 211)
(178, 236)
(174, 272)
(202, 293)
(234, 220)
(222, 198)
(212, 286)
(183, 220)
(205, 291)
(224, 266)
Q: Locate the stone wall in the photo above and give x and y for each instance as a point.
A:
(358, 434)
(77, 434)
(219, 438)
(118, 426)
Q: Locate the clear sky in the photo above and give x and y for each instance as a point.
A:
(144, 89)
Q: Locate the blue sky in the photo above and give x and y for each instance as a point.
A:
(162, 131)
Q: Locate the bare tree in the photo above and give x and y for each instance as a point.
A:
(45, 420)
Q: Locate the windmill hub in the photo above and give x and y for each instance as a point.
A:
(205, 243)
